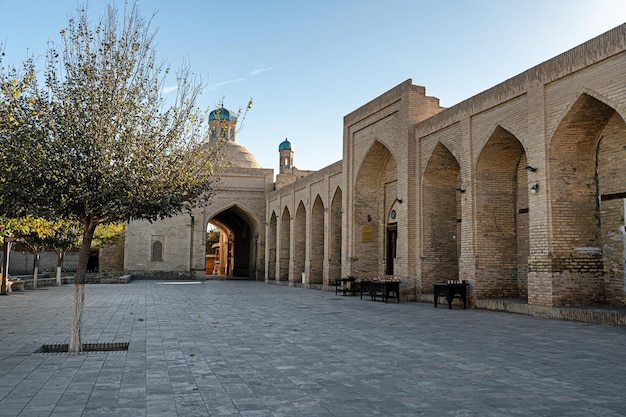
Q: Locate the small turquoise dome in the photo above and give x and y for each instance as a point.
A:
(223, 114)
(285, 145)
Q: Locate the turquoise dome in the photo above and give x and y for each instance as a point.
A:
(285, 145)
(223, 114)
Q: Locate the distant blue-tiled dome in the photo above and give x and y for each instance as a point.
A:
(223, 114)
(285, 145)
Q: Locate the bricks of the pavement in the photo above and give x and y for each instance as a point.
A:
(245, 348)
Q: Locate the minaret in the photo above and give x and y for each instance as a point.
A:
(286, 157)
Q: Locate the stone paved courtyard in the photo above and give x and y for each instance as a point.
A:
(243, 348)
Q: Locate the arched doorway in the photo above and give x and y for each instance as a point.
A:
(238, 244)
(391, 240)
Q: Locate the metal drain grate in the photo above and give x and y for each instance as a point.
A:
(87, 347)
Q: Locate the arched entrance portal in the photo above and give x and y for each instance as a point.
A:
(237, 254)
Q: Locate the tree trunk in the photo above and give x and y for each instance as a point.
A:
(60, 256)
(4, 287)
(75, 344)
(35, 268)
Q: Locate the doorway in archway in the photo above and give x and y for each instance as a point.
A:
(392, 246)
(236, 249)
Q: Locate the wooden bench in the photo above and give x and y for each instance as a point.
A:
(386, 287)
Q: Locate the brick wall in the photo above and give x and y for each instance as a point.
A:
(560, 245)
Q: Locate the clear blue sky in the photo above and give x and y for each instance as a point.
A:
(307, 64)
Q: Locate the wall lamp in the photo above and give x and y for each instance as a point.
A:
(529, 168)
(534, 188)
(399, 200)
(369, 218)
(459, 189)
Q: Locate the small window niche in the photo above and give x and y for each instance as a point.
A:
(157, 248)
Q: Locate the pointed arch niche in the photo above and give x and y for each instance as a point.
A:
(502, 218)
(299, 244)
(316, 275)
(375, 193)
(271, 244)
(441, 208)
(285, 245)
(334, 264)
(588, 204)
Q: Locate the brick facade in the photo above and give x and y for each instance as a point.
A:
(519, 190)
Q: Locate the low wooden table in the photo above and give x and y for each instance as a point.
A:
(450, 291)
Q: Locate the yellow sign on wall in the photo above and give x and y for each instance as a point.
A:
(367, 233)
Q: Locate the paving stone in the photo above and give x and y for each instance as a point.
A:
(244, 348)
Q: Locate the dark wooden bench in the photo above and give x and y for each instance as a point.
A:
(384, 288)
(387, 290)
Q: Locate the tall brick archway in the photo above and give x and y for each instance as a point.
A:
(271, 243)
(241, 245)
(441, 208)
(316, 275)
(299, 243)
(587, 195)
(499, 200)
(375, 192)
(334, 255)
(285, 245)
